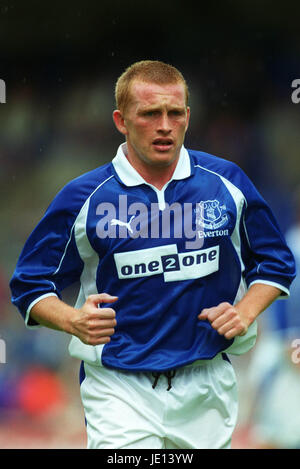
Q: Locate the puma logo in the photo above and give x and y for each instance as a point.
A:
(114, 222)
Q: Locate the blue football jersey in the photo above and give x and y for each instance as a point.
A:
(202, 239)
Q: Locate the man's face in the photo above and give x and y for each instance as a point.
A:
(154, 122)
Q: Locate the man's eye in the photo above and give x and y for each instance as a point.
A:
(150, 113)
(176, 113)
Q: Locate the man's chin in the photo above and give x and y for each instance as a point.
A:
(162, 158)
(156, 158)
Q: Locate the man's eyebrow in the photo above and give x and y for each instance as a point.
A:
(157, 107)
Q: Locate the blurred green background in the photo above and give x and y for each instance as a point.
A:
(60, 62)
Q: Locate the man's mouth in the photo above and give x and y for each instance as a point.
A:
(162, 144)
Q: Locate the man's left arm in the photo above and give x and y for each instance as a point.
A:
(231, 321)
(267, 264)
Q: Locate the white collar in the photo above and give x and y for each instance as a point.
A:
(131, 177)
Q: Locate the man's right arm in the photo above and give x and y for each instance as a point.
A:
(91, 324)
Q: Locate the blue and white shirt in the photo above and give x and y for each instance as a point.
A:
(202, 239)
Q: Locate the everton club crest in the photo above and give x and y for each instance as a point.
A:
(210, 214)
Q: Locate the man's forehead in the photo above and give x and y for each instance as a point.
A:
(149, 92)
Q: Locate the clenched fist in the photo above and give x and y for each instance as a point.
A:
(94, 325)
(226, 319)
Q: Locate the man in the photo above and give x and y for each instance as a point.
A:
(177, 254)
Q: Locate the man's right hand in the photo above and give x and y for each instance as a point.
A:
(91, 324)
(94, 325)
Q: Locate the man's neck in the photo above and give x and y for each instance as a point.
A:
(156, 175)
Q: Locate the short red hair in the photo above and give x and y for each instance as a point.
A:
(149, 71)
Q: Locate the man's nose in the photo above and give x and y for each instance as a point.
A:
(164, 123)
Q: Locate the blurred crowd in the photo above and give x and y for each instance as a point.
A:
(51, 134)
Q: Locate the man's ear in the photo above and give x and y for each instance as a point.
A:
(188, 115)
(119, 121)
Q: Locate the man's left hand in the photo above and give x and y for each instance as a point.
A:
(225, 319)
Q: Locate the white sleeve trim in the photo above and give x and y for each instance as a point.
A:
(273, 284)
(32, 305)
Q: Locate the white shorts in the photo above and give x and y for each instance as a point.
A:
(123, 411)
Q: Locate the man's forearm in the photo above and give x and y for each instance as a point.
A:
(232, 320)
(258, 298)
(53, 313)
